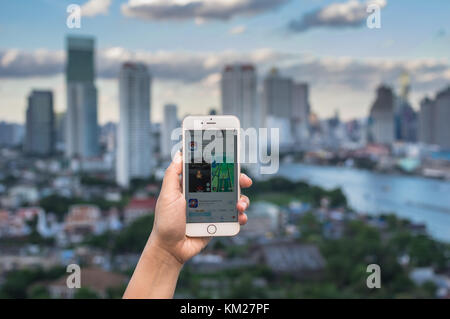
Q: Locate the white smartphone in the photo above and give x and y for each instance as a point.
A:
(211, 173)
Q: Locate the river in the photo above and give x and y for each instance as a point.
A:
(415, 198)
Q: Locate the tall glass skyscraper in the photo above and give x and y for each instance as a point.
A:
(134, 144)
(277, 95)
(239, 96)
(39, 131)
(81, 121)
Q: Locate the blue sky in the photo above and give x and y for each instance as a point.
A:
(414, 36)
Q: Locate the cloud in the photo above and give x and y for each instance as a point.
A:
(167, 65)
(95, 7)
(366, 74)
(16, 63)
(336, 15)
(194, 9)
(212, 80)
(238, 29)
(204, 67)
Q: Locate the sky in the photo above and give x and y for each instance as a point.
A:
(186, 43)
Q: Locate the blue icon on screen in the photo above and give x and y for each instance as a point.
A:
(193, 203)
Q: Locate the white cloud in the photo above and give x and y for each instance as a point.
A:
(238, 29)
(203, 67)
(212, 80)
(195, 9)
(199, 21)
(336, 15)
(183, 66)
(428, 75)
(18, 63)
(93, 8)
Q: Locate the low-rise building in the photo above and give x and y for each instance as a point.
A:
(82, 220)
(299, 260)
(4, 222)
(14, 262)
(139, 207)
(265, 220)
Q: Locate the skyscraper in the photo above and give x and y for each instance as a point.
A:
(277, 95)
(277, 100)
(434, 116)
(442, 116)
(11, 134)
(81, 114)
(406, 122)
(170, 123)
(239, 97)
(39, 136)
(300, 111)
(382, 127)
(60, 131)
(134, 144)
(427, 120)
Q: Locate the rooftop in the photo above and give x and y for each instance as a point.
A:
(142, 203)
(292, 257)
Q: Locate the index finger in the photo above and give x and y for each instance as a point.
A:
(245, 181)
(171, 181)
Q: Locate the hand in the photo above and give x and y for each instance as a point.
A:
(170, 216)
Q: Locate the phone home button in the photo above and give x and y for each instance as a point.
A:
(211, 229)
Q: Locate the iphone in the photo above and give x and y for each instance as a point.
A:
(211, 172)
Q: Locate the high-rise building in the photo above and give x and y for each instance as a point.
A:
(300, 111)
(278, 103)
(382, 128)
(170, 123)
(406, 122)
(277, 95)
(406, 119)
(442, 116)
(11, 134)
(108, 133)
(81, 116)
(134, 144)
(434, 115)
(239, 96)
(427, 120)
(39, 136)
(60, 131)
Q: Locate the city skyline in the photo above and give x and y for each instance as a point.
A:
(330, 59)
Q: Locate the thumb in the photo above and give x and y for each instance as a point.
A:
(171, 182)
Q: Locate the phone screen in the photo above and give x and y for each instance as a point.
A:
(211, 176)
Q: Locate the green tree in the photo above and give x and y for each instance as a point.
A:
(115, 292)
(38, 292)
(18, 282)
(86, 293)
(133, 237)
